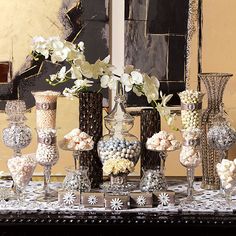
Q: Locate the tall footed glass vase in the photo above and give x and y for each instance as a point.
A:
(215, 84)
(90, 121)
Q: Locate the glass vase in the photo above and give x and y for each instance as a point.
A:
(77, 179)
(47, 155)
(215, 84)
(46, 105)
(190, 158)
(154, 179)
(119, 150)
(149, 125)
(90, 121)
(21, 169)
(17, 135)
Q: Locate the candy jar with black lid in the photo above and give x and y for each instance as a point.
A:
(119, 150)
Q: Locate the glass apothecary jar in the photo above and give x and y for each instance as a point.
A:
(17, 135)
(119, 144)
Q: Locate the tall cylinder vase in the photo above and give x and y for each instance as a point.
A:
(90, 121)
(149, 124)
(215, 84)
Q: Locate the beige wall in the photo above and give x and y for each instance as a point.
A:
(219, 55)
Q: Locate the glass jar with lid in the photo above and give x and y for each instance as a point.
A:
(119, 150)
(17, 135)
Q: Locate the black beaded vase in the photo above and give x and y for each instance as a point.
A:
(149, 124)
(90, 121)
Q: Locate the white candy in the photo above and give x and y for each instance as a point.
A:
(78, 140)
(162, 141)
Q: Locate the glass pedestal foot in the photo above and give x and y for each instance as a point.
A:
(50, 196)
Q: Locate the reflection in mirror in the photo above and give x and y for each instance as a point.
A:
(156, 35)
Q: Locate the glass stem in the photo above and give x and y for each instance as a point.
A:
(19, 194)
(190, 179)
(76, 159)
(47, 176)
(17, 153)
(228, 197)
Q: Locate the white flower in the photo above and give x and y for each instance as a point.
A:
(81, 46)
(118, 165)
(164, 199)
(75, 72)
(151, 88)
(80, 83)
(69, 93)
(125, 79)
(136, 77)
(92, 200)
(86, 69)
(165, 99)
(62, 73)
(40, 45)
(60, 55)
(69, 198)
(109, 82)
(116, 204)
(141, 201)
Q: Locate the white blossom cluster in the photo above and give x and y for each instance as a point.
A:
(162, 141)
(84, 73)
(117, 166)
(78, 140)
(227, 173)
(81, 71)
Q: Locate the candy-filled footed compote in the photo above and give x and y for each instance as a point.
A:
(77, 141)
(226, 170)
(21, 169)
(162, 142)
(190, 158)
(77, 178)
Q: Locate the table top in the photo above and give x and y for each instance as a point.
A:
(208, 209)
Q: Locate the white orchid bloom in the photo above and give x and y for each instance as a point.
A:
(104, 81)
(68, 93)
(60, 55)
(136, 77)
(166, 99)
(80, 83)
(56, 43)
(86, 69)
(38, 39)
(109, 82)
(81, 46)
(126, 81)
(40, 45)
(75, 72)
(62, 73)
(150, 88)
